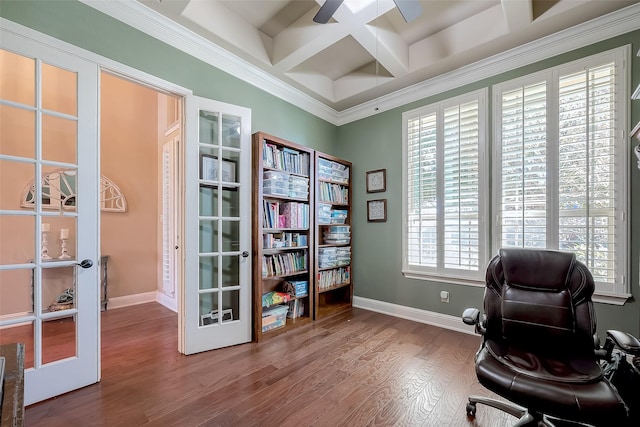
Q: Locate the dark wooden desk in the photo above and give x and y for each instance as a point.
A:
(13, 393)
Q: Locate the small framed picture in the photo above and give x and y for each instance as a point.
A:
(228, 171)
(377, 181)
(377, 210)
(209, 169)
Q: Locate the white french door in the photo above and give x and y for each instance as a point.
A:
(216, 300)
(49, 214)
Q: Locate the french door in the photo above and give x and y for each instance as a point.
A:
(216, 300)
(49, 214)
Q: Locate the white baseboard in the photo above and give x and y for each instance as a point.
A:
(446, 321)
(127, 300)
(167, 301)
(155, 296)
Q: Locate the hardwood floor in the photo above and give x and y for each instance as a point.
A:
(355, 369)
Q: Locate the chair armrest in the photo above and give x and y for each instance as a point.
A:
(471, 316)
(624, 341)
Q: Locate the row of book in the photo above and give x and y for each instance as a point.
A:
(285, 159)
(284, 263)
(330, 278)
(296, 309)
(334, 193)
(284, 240)
(285, 214)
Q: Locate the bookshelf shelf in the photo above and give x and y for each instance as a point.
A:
(285, 275)
(283, 203)
(341, 285)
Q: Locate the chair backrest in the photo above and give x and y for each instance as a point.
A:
(540, 299)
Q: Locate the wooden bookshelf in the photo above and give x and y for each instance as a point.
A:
(333, 285)
(283, 209)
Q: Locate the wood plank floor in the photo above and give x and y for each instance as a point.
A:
(355, 369)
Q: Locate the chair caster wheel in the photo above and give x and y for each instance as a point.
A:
(471, 409)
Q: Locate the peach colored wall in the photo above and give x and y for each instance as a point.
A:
(129, 156)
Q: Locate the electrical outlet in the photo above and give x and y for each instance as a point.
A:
(444, 296)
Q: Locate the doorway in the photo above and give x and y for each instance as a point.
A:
(140, 135)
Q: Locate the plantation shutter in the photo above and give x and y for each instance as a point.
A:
(524, 167)
(443, 188)
(422, 230)
(461, 187)
(587, 160)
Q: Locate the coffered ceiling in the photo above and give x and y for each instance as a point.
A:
(367, 50)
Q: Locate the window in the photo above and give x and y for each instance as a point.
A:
(559, 175)
(444, 189)
(560, 165)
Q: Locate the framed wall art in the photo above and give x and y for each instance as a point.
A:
(377, 210)
(377, 181)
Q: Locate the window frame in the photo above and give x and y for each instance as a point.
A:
(616, 292)
(440, 273)
(490, 160)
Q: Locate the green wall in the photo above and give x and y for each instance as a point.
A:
(371, 143)
(83, 26)
(376, 142)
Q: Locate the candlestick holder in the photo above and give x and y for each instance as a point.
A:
(44, 250)
(63, 249)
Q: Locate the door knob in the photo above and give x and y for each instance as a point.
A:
(86, 263)
(245, 254)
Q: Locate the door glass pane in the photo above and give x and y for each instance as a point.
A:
(59, 90)
(18, 239)
(231, 270)
(15, 178)
(17, 78)
(230, 162)
(231, 304)
(230, 202)
(16, 291)
(231, 131)
(208, 236)
(230, 236)
(208, 201)
(58, 288)
(208, 308)
(208, 128)
(58, 339)
(208, 272)
(60, 237)
(23, 333)
(59, 139)
(59, 189)
(17, 133)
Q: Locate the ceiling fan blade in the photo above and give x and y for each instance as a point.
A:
(326, 11)
(410, 9)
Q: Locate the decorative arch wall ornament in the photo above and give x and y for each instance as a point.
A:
(59, 193)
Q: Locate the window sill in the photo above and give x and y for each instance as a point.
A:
(599, 297)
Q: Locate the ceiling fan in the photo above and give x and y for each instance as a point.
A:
(410, 10)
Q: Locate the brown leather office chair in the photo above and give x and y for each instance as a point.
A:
(539, 348)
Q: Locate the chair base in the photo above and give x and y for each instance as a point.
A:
(525, 417)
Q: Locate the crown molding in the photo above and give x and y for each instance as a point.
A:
(144, 19)
(154, 24)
